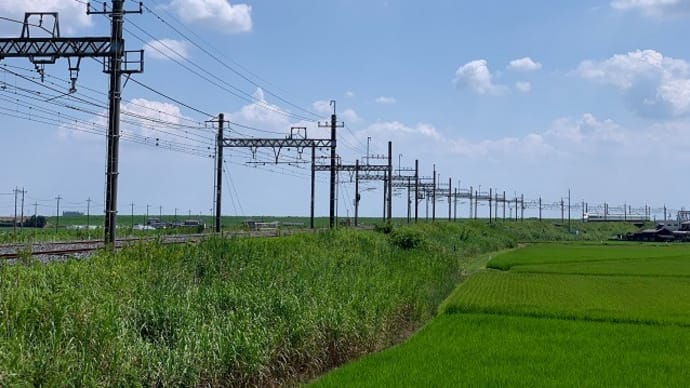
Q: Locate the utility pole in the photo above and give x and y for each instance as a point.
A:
(455, 203)
(540, 208)
(477, 193)
(409, 199)
(504, 205)
(562, 210)
(490, 204)
(88, 215)
(385, 194)
(35, 218)
(569, 223)
(516, 207)
(132, 205)
(219, 171)
(313, 187)
(390, 181)
(333, 125)
(433, 197)
(356, 191)
(14, 220)
(114, 67)
(45, 50)
(496, 205)
(450, 185)
(21, 218)
(522, 207)
(57, 212)
(147, 213)
(416, 190)
(471, 191)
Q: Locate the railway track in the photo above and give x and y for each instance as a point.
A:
(61, 250)
(80, 248)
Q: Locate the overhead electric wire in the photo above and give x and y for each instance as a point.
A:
(226, 86)
(224, 64)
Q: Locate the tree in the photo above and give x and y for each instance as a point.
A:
(35, 222)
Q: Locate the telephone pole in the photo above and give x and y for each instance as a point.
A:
(21, 218)
(14, 221)
(88, 214)
(433, 197)
(132, 205)
(219, 171)
(390, 181)
(333, 125)
(57, 212)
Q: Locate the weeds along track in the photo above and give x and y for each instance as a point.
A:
(61, 250)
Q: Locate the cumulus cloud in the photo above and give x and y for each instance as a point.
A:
(262, 114)
(148, 120)
(384, 100)
(532, 145)
(524, 87)
(174, 48)
(396, 128)
(72, 15)
(324, 108)
(524, 64)
(652, 84)
(476, 75)
(654, 8)
(218, 14)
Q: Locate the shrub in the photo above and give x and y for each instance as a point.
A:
(385, 228)
(406, 238)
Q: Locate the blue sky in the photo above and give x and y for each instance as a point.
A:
(533, 97)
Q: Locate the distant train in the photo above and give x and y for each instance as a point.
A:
(632, 218)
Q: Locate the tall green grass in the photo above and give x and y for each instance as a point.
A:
(227, 312)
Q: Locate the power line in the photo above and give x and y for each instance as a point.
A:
(224, 64)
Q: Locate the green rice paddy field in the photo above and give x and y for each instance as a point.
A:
(551, 315)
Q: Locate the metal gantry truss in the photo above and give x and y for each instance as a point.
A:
(46, 50)
(296, 139)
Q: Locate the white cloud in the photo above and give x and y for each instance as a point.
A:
(150, 121)
(530, 146)
(476, 75)
(218, 14)
(384, 100)
(175, 48)
(654, 8)
(350, 94)
(396, 129)
(524, 64)
(324, 108)
(261, 114)
(652, 84)
(524, 87)
(72, 15)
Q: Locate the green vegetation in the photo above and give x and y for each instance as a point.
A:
(608, 298)
(558, 253)
(480, 350)
(227, 312)
(562, 314)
